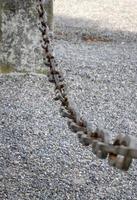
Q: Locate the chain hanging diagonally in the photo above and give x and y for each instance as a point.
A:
(124, 148)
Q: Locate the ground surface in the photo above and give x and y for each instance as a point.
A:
(40, 159)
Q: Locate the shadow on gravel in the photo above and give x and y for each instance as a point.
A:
(90, 30)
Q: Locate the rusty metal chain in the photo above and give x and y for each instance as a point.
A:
(124, 148)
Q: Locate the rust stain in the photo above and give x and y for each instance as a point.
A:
(92, 38)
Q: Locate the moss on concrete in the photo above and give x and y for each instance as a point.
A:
(5, 69)
(42, 71)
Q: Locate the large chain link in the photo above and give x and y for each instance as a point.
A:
(123, 149)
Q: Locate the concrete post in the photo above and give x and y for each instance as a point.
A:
(49, 10)
(12, 6)
(15, 5)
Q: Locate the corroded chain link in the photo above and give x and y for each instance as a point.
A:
(123, 149)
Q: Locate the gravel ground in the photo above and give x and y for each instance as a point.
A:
(40, 158)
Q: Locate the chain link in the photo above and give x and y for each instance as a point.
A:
(124, 148)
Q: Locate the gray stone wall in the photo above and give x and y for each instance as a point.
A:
(15, 5)
(19, 34)
(20, 46)
(0, 24)
(49, 10)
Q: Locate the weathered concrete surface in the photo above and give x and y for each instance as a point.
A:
(20, 44)
(13, 6)
(39, 157)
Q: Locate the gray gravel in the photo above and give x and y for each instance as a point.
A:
(40, 159)
(103, 79)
